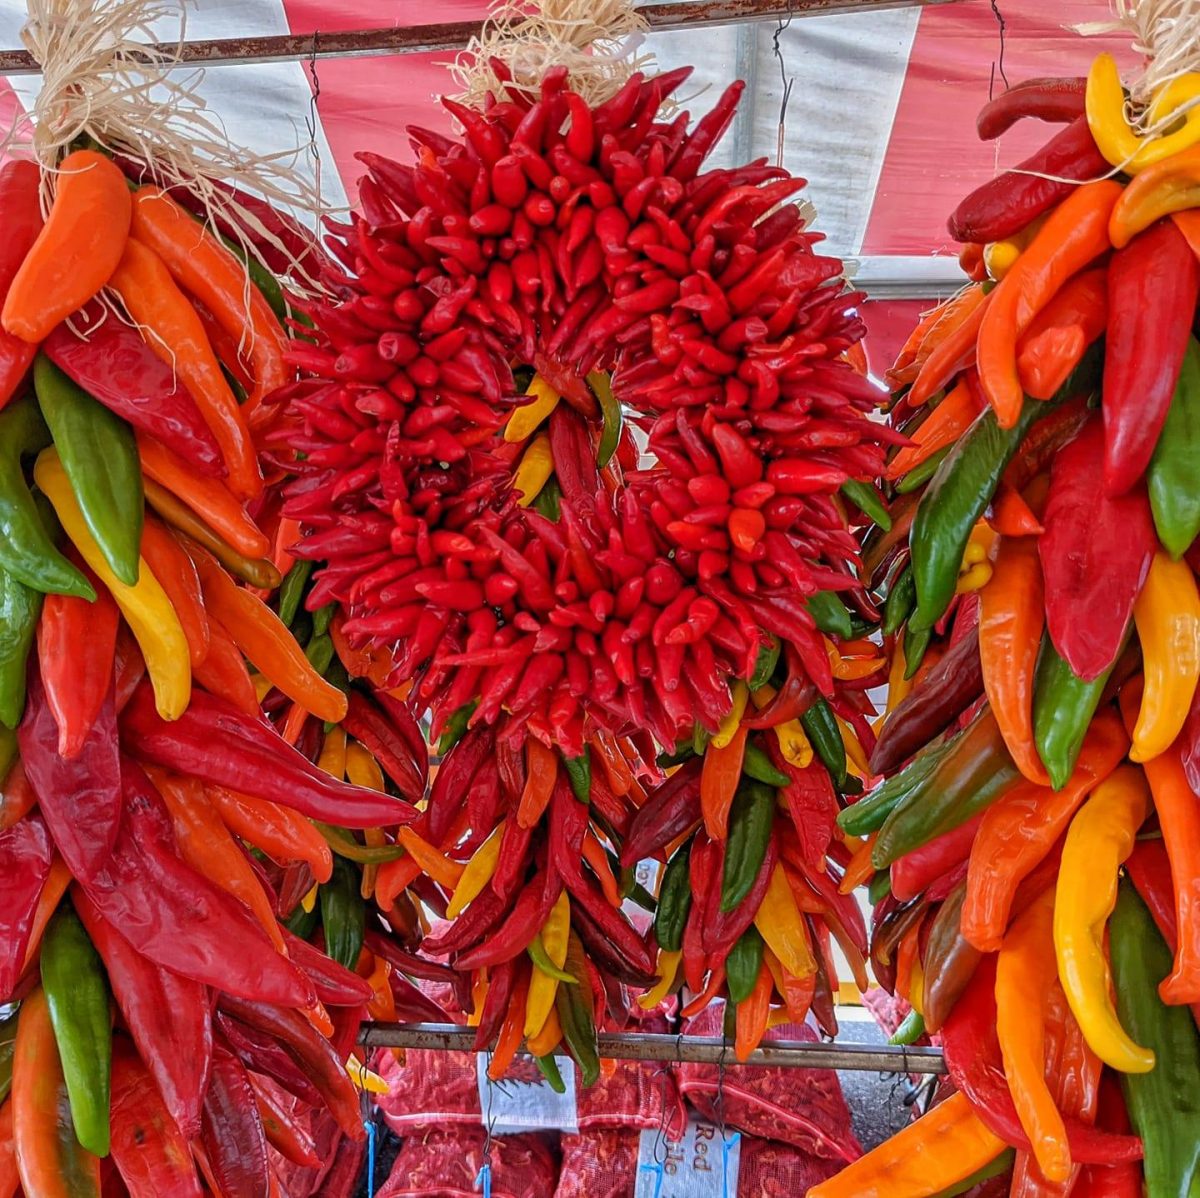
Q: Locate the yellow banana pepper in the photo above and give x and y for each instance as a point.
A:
(779, 921)
(793, 741)
(542, 986)
(525, 420)
(309, 901)
(537, 464)
(477, 873)
(1167, 615)
(732, 718)
(548, 1037)
(1100, 838)
(364, 1079)
(333, 753)
(668, 966)
(363, 770)
(145, 605)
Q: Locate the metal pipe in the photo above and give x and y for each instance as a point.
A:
(454, 35)
(646, 1046)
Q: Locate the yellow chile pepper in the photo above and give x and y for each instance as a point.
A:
(898, 685)
(333, 753)
(941, 1148)
(363, 770)
(548, 1037)
(555, 933)
(1172, 185)
(916, 987)
(974, 579)
(668, 966)
(1026, 971)
(262, 686)
(793, 741)
(999, 257)
(144, 605)
(535, 469)
(733, 717)
(1100, 838)
(525, 420)
(479, 989)
(309, 901)
(1167, 615)
(477, 873)
(1116, 139)
(854, 751)
(364, 1079)
(779, 921)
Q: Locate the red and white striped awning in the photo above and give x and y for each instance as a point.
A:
(880, 120)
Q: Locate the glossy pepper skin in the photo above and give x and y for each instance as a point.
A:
(100, 457)
(232, 1132)
(342, 914)
(1101, 836)
(1063, 706)
(1164, 1104)
(19, 611)
(26, 550)
(1176, 460)
(77, 995)
(21, 214)
(1153, 286)
(26, 854)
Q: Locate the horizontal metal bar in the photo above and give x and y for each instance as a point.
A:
(647, 1046)
(454, 35)
(895, 276)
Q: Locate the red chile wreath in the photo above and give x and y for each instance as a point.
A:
(582, 243)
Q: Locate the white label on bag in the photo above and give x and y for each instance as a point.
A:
(694, 1167)
(523, 1099)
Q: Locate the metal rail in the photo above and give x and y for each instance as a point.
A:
(647, 1046)
(454, 35)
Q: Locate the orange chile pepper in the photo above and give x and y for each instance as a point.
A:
(283, 834)
(177, 573)
(1179, 818)
(1011, 619)
(375, 971)
(17, 799)
(177, 336)
(54, 887)
(209, 498)
(1020, 829)
(1074, 235)
(375, 664)
(719, 777)
(49, 1158)
(716, 979)
(597, 858)
(860, 868)
(797, 992)
(77, 644)
(1188, 223)
(906, 955)
(954, 352)
(223, 672)
(77, 250)
(541, 771)
(1060, 333)
(266, 640)
(205, 844)
(944, 425)
(548, 1037)
(226, 349)
(904, 369)
(10, 1178)
(1012, 516)
(512, 1030)
(204, 268)
(432, 861)
(620, 776)
(752, 1015)
(970, 258)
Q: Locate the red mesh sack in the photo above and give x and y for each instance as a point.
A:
(888, 1010)
(803, 1107)
(444, 1164)
(300, 1181)
(638, 1094)
(430, 1089)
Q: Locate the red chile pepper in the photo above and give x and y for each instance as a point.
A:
(973, 1060)
(1006, 204)
(522, 923)
(283, 1131)
(501, 987)
(913, 873)
(251, 761)
(266, 1056)
(335, 985)
(630, 970)
(112, 363)
(1056, 101)
(393, 750)
(1095, 552)
(26, 853)
(453, 780)
(167, 1015)
(80, 798)
(314, 1055)
(149, 1148)
(21, 214)
(232, 1132)
(666, 815)
(1153, 285)
(1111, 1181)
(179, 918)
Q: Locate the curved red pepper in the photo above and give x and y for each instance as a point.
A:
(232, 1132)
(1057, 101)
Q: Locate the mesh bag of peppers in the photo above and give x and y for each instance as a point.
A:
(1036, 837)
(626, 647)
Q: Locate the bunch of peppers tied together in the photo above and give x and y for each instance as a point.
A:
(569, 602)
(1037, 839)
(162, 809)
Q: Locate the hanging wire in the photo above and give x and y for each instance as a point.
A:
(483, 1179)
(1002, 27)
(310, 120)
(787, 81)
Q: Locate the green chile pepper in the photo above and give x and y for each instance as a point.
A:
(820, 725)
(538, 955)
(1063, 706)
(972, 777)
(291, 590)
(26, 548)
(579, 771)
(829, 614)
(19, 611)
(920, 475)
(343, 914)
(8, 750)
(8, 1044)
(344, 845)
(902, 597)
(456, 727)
(751, 818)
(100, 456)
(1175, 466)
(600, 386)
(757, 765)
(910, 1030)
(1164, 1104)
(879, 887)
(76, 990)
(674, 901)
(574, 1007)
(916, 641)
(303, 923)
(868, 501)
(319, 652)
(993, 1168)
(547, 502)
(743, 964)
(262, 278)
(764, 664)
(549, 1070)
